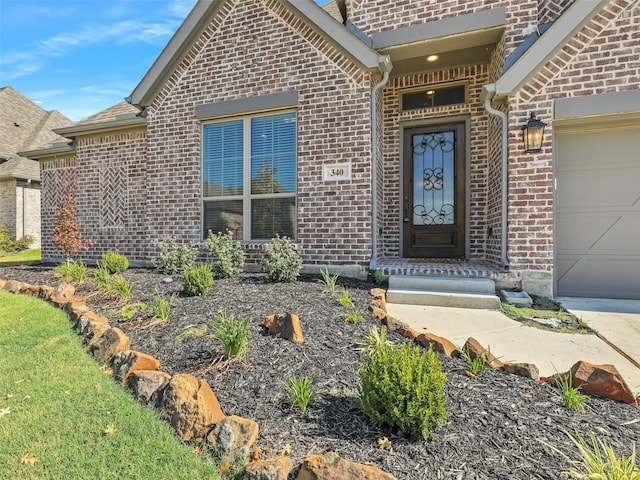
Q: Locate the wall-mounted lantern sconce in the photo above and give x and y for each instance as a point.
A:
(532, 134)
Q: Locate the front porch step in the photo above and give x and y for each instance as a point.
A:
(461, 292)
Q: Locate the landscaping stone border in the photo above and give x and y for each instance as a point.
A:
(597, 380)
(186, 403)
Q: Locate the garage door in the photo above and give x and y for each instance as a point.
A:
(598, 210)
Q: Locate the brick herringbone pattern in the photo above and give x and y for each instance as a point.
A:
(113, 196)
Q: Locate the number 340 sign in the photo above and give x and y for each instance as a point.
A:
(337, 171)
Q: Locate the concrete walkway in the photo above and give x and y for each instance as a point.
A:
(511, 341)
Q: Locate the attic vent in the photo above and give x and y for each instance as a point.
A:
(434, 97)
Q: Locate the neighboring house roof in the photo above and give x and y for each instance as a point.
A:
(110, 114)
(199, 18)
(119, 116)
(23, 126)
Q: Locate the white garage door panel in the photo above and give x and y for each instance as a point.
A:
(588, 188)
(618, 278)
(598, 211)
(598, 233)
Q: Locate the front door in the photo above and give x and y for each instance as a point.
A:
(433, 191)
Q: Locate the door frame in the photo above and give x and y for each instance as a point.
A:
(432, 122)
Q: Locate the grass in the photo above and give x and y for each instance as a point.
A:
(62, 417)
(573, 399)
(329, 281)
(72, 271)
(299, 392)
(598, 460)
(232, 332)
(545, 308)
(344, 299)
(354, 315)
(25, 257)
(477, 365)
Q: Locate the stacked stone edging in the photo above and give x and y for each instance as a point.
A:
(597, 380)
(186, 403)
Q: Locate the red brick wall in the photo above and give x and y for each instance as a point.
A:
(602, 57)
(256, 48)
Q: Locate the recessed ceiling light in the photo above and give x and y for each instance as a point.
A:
(432, 58)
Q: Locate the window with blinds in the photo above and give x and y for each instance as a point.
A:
(249, 176)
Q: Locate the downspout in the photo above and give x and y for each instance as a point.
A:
(488, 92)
(385, 66)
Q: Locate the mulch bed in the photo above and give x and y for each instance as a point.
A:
(496, 422)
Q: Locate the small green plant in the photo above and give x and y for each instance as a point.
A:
(113, 262)
(281, 261)
(329, 281)
(354, 315)
(197, 279)
(403, 388)
(344, 299)
(112, 285)
(227, 257)
(573, 399)
(477, 365)
(8, 245)
(582, 324)
(378, 277)
(173, 257)
(194, 331)
(160, 308)
(130, 311)
(72, 271)
(299, 392)
(232, 332)
(374, 341)
(598, 460)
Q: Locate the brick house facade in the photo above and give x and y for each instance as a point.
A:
(355, 86)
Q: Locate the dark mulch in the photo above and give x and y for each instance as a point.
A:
(496, 422)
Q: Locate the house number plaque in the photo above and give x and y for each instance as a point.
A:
(337, 171)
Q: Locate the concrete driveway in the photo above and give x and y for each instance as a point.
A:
(616, 321)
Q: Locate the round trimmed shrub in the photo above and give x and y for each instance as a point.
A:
(197, 279)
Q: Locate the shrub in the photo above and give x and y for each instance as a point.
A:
(329, 281)
(282, 261)
(160, 308)
(572, 398)
(131, 311)
(9, 245)
(477, 365)
(197, 279)
(403, 388)
(354, 315)
(227, 256)
(174, 257)
(299, 392)
(72, 271)
(344, 299)
(114, 262)
(232, 332)
(112, 285)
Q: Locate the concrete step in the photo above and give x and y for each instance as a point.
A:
(463, 292)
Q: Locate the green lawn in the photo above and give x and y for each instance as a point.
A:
(62, 417)
(26, 256)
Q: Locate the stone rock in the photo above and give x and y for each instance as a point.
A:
(167, 280)
(408, 332)
(93, 333)
(190, 406)
(45, 292)
(378, 304)
(89, 319)
(392, 324)
(2, 284)
(438, 344)
(528, 370)
(145, 383)
(286, 326)
(474, 348)
(232, 438)
(62, 294)
(378, 293)
(112, 341)
(31, 290)
(13, 286)
(332, 467)
(75, 309)
(128, 361)
(601, 381)
(272, 469)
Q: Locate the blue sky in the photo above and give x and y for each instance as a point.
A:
(82, 56)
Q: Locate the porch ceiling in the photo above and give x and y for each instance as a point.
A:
(469, 48)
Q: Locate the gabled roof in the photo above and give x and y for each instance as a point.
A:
(119, 116)
(547, 45)
(23, 126)
(205, 10)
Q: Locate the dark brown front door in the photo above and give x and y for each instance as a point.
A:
(433, 191)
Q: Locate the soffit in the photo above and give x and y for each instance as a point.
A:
(462, 40)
